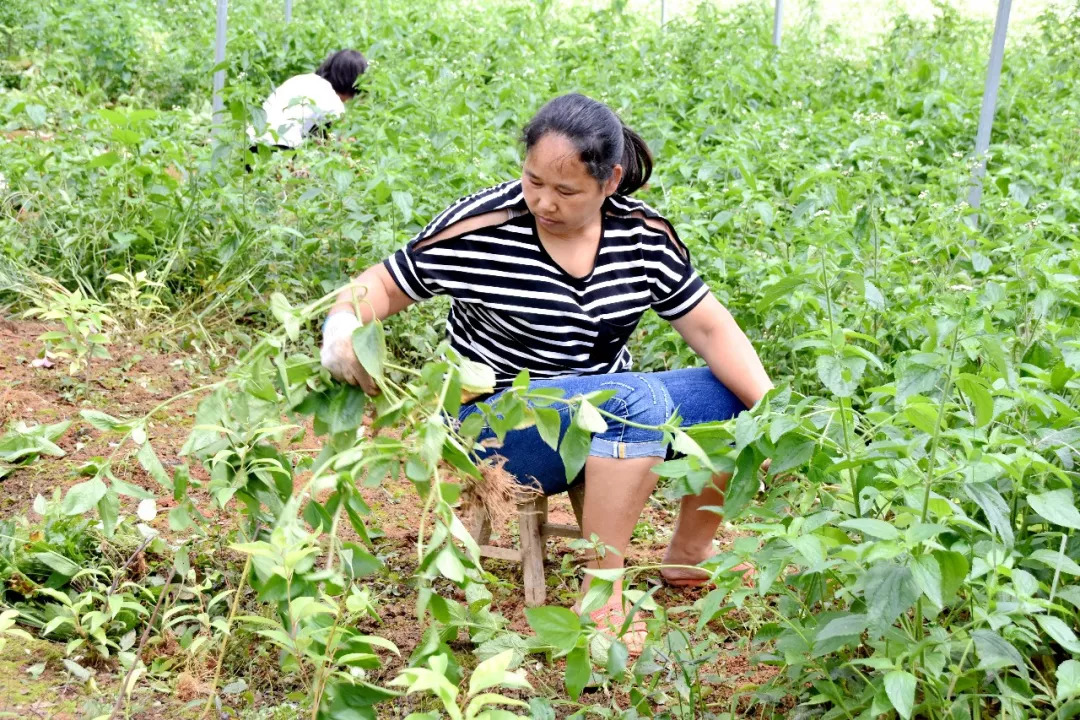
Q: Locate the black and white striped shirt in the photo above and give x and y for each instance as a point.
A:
(513, 307)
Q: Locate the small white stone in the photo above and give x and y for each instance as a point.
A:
(147, 510)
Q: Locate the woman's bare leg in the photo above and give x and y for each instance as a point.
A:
(616, 491)
(695, 528)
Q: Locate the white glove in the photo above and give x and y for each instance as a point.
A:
(337, 354)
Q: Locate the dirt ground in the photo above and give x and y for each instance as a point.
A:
(137, 380)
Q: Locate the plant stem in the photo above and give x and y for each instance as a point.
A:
(333, 533)
(423, 517)
(225, 638)
(937, 426)
(1057, 570)
(142, 644)
(320, 675)
(120, 572)
(854, 476)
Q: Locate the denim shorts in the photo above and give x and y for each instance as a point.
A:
(643, 398)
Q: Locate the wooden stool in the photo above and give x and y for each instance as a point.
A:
(533, 527)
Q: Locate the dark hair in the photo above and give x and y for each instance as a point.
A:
(341, 69)
(599, 136)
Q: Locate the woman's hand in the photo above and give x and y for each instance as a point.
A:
(337, 352)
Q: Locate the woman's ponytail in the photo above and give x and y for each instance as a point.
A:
(637, 162)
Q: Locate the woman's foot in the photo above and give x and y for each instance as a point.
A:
(679, 575)
(610, 620)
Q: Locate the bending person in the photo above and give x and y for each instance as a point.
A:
(304, 105)
(551, 273)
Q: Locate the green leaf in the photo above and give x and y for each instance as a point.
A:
(344, 700)
(900, 687)
(994, 507)
(357, 561)
(873, 296)
(105, 159)
(589, 418)
(923, 415)
(683, 443)
(505, 641)
(454, 455)
(780, 426)
(403, 200)
(432, 436)
(746, 430)
(283, 312)
(1068, 679)
(927, 573)
(872, 527)
(981, 399)
(743, 485)
(153, 467)
(710, 606)
(847, 626)
(449, 565)
(555, 626)
(548, 424)
(109, 511)
(491, 672)
(346, 409)
(765, 212)
(179, 519)
(101, 420)
(792, 452)
(477, 377)
(1056, 561)
(1057, 506)
(1061, 633)
(915, 379)
(954, 570)
(369, 345)
(577, 671)
(540, 709)
(80, 498)
(783, 288)
(840, 374)
(617, 657)
(996, 652)
(574, 450)
(57, 563)
(81, 673)
(890, 590)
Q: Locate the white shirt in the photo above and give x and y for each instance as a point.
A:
(298, 105)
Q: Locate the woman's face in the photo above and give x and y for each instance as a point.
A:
(559, 191)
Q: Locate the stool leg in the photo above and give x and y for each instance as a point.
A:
(577, 499)
(532, 514)
(479, 524)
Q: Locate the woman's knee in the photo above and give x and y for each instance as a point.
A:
(638, 398)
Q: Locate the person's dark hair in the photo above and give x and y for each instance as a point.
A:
(341, 69)
(601, 138)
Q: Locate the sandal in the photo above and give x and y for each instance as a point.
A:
(747, 571)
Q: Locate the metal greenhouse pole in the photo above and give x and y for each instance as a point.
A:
(778, 15)
(288, 11)
(219, 57)
(663, 12)
(989, 102)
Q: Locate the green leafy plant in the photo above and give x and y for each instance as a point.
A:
(23, 444)
(85, 330)
(135, 299)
